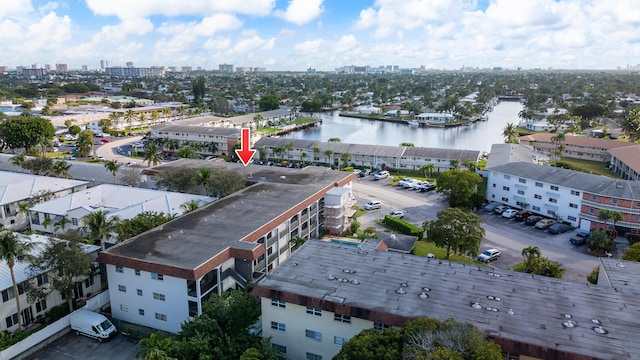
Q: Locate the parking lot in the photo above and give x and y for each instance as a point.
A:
(508, 235)
(71, 346)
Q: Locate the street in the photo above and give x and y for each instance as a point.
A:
(507, 235)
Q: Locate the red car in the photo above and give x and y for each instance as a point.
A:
(104, 141)
(522, 215)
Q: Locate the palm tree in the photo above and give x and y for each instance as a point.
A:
(510, 133)
(60, 169)
(18, 160)
(151, 155)
(99, 225)
(329, 154)
(46, 222)
(606, 215)
(84, 143)
(277, 151)
(262, 150)
(203, 176)
(288, 147)
(155, 348)
(189, 206)
(428, 169)
(303, 155)
(346, 156)
(455, 163)
(316, 149)
(529, 253)
(258, 118)
(114, 118)
(166, 112)
(297, 242)
(470, 165)
(61, 224)
(559, 140)
(142, 118)
(113, 166)
(155, 115)
(129, 115)
(11, 250)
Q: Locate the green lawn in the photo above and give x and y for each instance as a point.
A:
(592, 167)
(422, 248)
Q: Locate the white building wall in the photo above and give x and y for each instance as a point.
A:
(125, 306)
(541, 197)
(297, 321)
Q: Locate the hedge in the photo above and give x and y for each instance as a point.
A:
(402, 226)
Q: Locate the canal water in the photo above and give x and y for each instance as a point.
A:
(477, 136)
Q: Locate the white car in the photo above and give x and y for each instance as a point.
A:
(489, 255)
(372, 205)
(381, 175)
(397, 214)
(404, 181)
(409, 183)
(418, 185)
(509, 213)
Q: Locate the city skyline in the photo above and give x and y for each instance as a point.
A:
(294, 35)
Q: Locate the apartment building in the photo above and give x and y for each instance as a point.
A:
(18, 188)
(625, 162)
(575, 147)
(32, 312)
(326, 293)
(161, 278)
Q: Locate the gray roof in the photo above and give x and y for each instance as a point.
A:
(16, 187)
(462, 155)
(209, 130)
(22, 269)
(595, 184)
(537, 303)
(622, 275)
(507, 153)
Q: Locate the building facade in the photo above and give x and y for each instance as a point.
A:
(575, 147)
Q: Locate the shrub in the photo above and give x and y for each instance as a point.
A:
(348, 168)
(402, 226)
(592, 278)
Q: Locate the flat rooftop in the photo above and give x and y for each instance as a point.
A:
(509, 305)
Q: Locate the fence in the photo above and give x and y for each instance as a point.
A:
(51, 332)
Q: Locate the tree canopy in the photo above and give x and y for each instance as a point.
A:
(421, 339)
(461, 186)
(458, 230)
(632, 253)
(269, 102)
(26, 131)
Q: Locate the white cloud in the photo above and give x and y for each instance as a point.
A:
(345, 43)
(218, 43)
(207, 27)
(172, 8)
(15, 7)
(307, 47)
(301, 11)
(250, 41)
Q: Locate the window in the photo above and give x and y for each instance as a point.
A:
(8, 294)
(41, 305)
(520, 192)
(594, 197)
(279, 348)
(122, 288)
(522, 181)
(74, 221)
(614, 201)
(551, 212)
(119, 269)
(339, 340)
(571, 218)
(137, 272)
(314, 311)
(158, 296)
(504, 199)
(162, 317)
(278, 326)
(155, 276)
(124, 308)
(506, 188)
(573, 206)
(494, 185)
(507, 177)
(342, 318)
(553, 200)
(312, 356)
(12, 320)
(538, 184)
(554, 188)
(42, 279)
(592, 211)
(536, 196)
(535, 208)
(278, 303)
(139, 291)
(574, 192)
(316, 335)
(141, 312)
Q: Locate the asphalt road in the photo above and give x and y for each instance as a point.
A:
(71, 347)
(110, 150)
(508, 235)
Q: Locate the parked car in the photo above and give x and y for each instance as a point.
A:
(372, 205)
(409, 183)
(559, 228)
(522, 215)
(491, 206)
(403, 181)
(397, 214)
(532, 220)
(427, 187)
(104, 141)
(580, 238)
(364, 172)
(545, 223)
(500, 209)
(489, 255)
(509, 213)
(91, 324)
(381, 175)
(418, 184)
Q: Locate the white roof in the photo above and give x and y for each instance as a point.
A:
(15, 187)
(21, 269)
(123, 201)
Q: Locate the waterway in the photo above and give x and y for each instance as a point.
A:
(477, 136)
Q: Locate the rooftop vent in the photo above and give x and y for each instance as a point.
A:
(567, 316)
(491, 308)
(426, 289)
(494, 274)
(600, 330)
(423, 295)
(496, 298)
(595, 321)
(330, 277)
(355, 282)
(510, 312)
(476, 305)
(619, 186)
(349, 271)
(294, 264)
(404, 285)
(569, 324)
(401, 291)
(620, 265)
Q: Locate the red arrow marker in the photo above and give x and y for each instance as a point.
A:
(244, 153)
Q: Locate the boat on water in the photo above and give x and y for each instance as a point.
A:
(413, 123)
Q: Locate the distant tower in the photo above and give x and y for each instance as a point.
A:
(129, 64)
(85, 68)
(104, 64)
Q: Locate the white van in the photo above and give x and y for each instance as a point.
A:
(93, 325)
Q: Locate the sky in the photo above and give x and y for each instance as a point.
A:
(293, 35)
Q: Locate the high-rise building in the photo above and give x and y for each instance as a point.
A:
(47, 67)
(129, 64)
(32, 73)
(61, 67)
(85, 68)
(134, 71)
(225, 68)
(4, 69)
(104, 64)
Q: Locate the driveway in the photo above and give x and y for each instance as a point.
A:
(110, 150)
(71, 346)
(508, 235)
